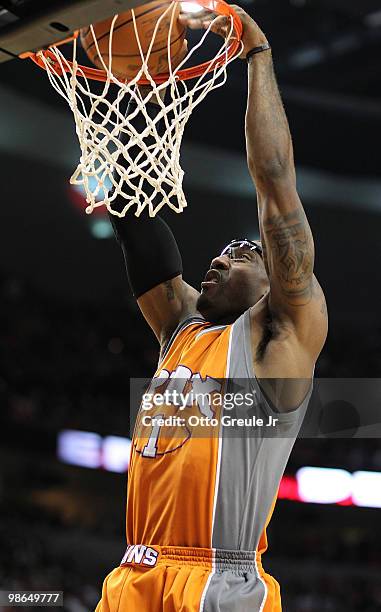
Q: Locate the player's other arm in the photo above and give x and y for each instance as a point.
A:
(154, 269)
(153, 263)
(166, 305)
(296, 299)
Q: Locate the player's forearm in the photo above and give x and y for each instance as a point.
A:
(269, 145)
(285, 232)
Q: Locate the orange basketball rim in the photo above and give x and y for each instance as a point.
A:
(219, 7)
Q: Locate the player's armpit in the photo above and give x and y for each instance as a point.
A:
(166, 305)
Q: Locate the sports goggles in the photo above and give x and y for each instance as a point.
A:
(232, 250)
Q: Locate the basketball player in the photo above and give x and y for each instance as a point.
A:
(198, 505)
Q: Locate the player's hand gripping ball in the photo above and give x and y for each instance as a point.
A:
(252, 35)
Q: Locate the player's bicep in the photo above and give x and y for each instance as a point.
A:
(308, 321)
(166, 305)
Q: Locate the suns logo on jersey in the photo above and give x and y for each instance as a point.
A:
(140, 554)
(173, 394)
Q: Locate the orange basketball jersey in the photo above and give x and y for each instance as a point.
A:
(203, 479)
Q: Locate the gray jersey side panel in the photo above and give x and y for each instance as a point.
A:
(251, 463)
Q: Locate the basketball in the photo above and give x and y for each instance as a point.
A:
(126, 57)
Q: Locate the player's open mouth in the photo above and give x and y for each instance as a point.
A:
(212, 277)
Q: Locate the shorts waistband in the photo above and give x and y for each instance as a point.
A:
(148, 556)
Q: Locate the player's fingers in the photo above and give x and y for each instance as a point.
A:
(194, 23)
(221, 26)
(200, 15)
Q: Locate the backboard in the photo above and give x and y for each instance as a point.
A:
(31, 25)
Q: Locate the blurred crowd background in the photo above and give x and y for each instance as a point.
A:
(71, 336)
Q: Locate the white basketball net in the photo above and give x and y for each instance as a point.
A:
(106, 169)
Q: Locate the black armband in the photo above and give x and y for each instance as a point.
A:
(150, 250)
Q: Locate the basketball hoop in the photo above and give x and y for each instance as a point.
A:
(106, 169)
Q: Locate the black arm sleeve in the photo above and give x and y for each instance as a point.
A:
(150, 250)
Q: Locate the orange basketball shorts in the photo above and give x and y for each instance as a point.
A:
(174, 579)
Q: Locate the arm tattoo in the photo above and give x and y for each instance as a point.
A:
(170, 291)
(290, 255)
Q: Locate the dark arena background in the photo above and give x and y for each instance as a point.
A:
(71, 336)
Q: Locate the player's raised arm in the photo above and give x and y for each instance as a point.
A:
(154, 265)
(296, 298)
